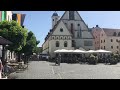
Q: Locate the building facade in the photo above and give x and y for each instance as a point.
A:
(107, 38)
(68, 32)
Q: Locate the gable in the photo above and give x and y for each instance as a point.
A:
(58, 32)
(76, 15)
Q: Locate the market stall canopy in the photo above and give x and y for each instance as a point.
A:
(56, 51)
(103, 51)
(4, 41)
(79, 51)
(91, 51)
(63, 51)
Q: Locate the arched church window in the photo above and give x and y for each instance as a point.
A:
(53, 38)
(61, 38)
(56, 37)
(57, 43)
(65, 38)
(65, 44)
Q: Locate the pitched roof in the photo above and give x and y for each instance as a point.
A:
(110, 32)
(4, 41)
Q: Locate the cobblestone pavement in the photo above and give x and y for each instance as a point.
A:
(47, 70)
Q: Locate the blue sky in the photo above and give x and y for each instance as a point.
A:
(39, 22)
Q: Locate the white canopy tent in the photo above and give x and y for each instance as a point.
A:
(91, 51)
(79, 51)
(103, 51)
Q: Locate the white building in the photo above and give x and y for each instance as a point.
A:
(68, 32)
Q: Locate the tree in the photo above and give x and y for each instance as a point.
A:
(38, 50)
(12, 31)
(31, 45)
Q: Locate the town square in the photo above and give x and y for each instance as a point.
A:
(59, 45)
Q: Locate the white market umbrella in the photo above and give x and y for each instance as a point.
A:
(79, 51)
(103, 51)
(56, 51)
(91, 51)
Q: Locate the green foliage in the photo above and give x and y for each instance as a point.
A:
(31, 44)
(15, 33)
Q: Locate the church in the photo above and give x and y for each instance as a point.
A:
(68, 32)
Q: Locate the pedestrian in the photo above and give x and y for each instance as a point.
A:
(59, 61)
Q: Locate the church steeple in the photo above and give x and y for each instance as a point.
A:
(55, 18)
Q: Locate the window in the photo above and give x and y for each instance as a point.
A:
(117, 47)
(116, 40)
(104, 40)
(104, 47)
(61, 30)
(101, 41)
(53, 19)
(65, 38)
(88, 43)
(119, 34)
(102, 34)
(78, 24)
(65, 44)
(96, 36)
(114, 34)
(95, 42)
(101, 48)
(61, 38)
(52, 37)
(71, 15)
(73, 43)
(111, 47)
(57, 38)
(57, 43)
(111, 40)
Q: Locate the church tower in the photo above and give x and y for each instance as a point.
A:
(55, 18)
